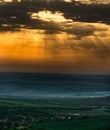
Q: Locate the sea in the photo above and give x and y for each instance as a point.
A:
(51, 85)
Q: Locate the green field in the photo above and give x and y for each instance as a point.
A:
(54, 114)
(96, 123)
(58, 102)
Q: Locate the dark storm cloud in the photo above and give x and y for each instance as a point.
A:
(14, 16)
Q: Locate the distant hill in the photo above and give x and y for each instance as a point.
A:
(53, 85)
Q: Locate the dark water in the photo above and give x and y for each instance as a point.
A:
(32, 85)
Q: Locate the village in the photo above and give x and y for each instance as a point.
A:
(32, 118)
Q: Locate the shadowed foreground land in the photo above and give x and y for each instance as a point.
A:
(55, 114)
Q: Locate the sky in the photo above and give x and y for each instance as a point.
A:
(55, 36)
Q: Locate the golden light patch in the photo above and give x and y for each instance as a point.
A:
(49, 16)
(94, 1)
(57, 51)
(7, 0)
(67, 0)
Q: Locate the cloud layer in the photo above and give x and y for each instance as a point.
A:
(54, 36)
(15, 15)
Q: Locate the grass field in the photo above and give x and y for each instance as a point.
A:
(58, 102)
(54, 114)
(97, 123)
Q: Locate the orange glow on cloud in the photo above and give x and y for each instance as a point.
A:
(36, 51)
(49, 16)
(94, 1)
